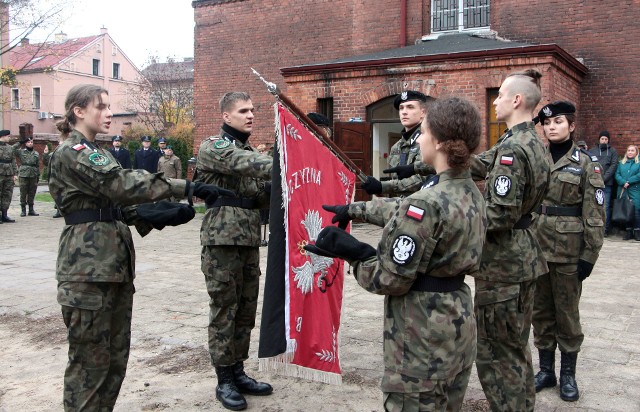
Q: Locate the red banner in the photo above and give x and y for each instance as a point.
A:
(311, 176)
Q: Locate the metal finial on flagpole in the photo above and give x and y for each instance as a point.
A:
(271, 87)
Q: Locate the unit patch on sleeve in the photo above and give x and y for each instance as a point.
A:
(600, 196)
(221, 144)
(506, 160)
(403, 249)
(98, 160)
(502, 185)
(415, 213)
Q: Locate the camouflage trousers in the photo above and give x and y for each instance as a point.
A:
(503, 312)
(232, 275)
(556, 316)
(445, 396)
(6, 191)
(28, 187)
(98, 320)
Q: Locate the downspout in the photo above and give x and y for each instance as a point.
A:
(403, 23)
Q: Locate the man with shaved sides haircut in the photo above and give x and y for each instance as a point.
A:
(516, 175)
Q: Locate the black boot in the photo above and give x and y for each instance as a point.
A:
(57, 214)
(5, 217)
(628, 234)
(636, 234)
(546, 377)
(568, 386)
(249, 385)
(32, 212)
(23, 209)
(227, 392)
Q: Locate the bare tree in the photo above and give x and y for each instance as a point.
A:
(163, 98)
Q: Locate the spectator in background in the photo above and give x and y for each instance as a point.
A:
(582, 145)
(608, 159)
(121, 154)
(170, 165)
(628, 179)
(162, 145)
(146, 158)
(29, 172)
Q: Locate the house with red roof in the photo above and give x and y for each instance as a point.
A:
(47, 71)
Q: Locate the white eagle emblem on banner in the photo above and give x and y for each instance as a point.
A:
(305, 273)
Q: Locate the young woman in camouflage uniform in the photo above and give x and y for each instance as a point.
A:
(96, 258)
(570, 229)
(431, 241)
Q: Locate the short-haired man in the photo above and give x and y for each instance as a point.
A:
(607, 156)
(516, 174)
(170, 165)
(412, 108)
(162, 145)
(121, 154)
(230, 238)
(146, 158)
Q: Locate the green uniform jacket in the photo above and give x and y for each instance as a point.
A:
(437, 231)
(8, 166)
(576, 181)
(233, 165)
(411, 149)
(83, 176)
(29, 163)
(516, 173)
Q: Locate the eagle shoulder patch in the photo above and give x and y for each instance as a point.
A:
(403, 249)
(502, 185)
(600, 197)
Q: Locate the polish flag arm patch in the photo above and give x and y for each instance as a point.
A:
(506, 160)
(596, 169)
(415, 213)
(79, 147)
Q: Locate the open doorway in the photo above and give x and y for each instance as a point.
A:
(386, 130)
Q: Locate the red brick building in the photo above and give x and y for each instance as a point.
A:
(348, 59)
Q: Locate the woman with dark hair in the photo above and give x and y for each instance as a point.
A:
(431, 241)
(570, 229)
(628, 179)
(96, 258)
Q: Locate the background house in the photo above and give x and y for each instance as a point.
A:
(348, 60)
(51, 69)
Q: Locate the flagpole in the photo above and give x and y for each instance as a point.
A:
(321, 134)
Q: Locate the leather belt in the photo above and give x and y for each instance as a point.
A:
(426, 283)
(93, 215)
(524, 222)
(6, 161)
(241, 202)
(559, 210)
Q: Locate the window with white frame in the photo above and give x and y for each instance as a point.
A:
(15, 98)
(116, 70)
(36, 98)
(457, 15)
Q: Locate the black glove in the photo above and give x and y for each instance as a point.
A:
(335, 242)
(341, 214)
(209, 193)
(372, 186)
(403, 172)
(267, 187)
(584, 269)
(165, 213)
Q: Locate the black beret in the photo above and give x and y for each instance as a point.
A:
(319, 119)
(145, 139)
(5, 132)
(555, 109)
(116, 138)
(408, 96)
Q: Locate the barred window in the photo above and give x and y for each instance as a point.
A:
(450, 15)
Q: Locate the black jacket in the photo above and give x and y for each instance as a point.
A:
(608, 159)
(122, 156)
(146, 159)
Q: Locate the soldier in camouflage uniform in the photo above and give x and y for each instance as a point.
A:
(412, 107)
(431, 241)
(516, 174)
(29, 172)
(570, 228)
(230, 238)
(8, 170)
(96, 258)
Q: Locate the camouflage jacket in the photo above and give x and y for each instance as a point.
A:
(517, 174)
(230, 164)
(29, 163)
(170, 167)
(576, 181)
(8, 166)
(405, 151)
(427, 335)
(83, 176)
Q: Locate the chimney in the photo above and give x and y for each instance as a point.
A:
(188, 59)
(61, 37)
(103, 30)
(24, 42)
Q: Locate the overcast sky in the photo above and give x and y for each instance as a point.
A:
(141, 28)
